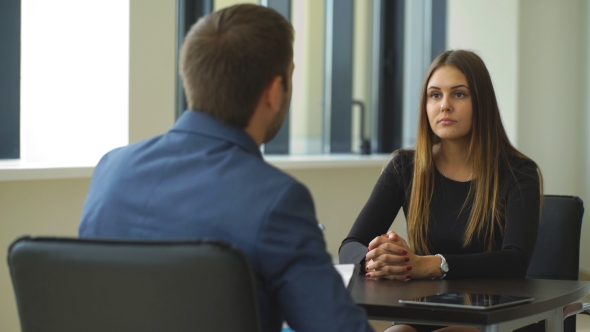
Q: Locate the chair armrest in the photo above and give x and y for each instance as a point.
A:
(576, 308)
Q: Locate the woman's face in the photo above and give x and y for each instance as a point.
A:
(448, 104)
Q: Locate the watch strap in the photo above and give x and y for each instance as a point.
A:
(444, 267)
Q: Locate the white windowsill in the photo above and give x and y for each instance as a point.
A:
(327, 161)
(15, 170)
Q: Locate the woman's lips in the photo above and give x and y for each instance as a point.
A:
(446, 121)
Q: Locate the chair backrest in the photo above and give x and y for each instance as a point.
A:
(93, 285)
(557, 253)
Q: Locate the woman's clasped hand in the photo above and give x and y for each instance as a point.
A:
(389, 256)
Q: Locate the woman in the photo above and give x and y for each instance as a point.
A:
(471, 200)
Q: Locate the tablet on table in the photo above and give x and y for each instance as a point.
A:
(468, 300)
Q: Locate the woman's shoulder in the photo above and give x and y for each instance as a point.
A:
(402, 158)
(399, 168)
(401, 162)
(403, 155)
(521, 167)
(522, 164)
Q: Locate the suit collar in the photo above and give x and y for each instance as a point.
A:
(203, 124)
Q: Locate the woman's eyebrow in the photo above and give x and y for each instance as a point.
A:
(453, 87)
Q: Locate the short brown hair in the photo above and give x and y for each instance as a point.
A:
(230, 56)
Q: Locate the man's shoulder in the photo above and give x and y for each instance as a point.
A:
(129, 149)
(272, 178)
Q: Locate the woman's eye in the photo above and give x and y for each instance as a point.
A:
(435, 95)
(460, 95)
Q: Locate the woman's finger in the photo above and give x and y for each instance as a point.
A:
(378, 240)
(388, 248)
(387, 259)
(391, 250)
(394, 273)
(393, 236)
(388, 267)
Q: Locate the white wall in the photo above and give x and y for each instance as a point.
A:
(152, 68)
(489, 28)
(48, 207)
(550, 90)
(584, 179)
(552, 99)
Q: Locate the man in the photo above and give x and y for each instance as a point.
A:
(206, 178)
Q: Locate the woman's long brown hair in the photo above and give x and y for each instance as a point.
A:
(489, 149)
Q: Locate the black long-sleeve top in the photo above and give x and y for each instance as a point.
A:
(519, 194)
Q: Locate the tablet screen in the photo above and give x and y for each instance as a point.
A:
(468, 300)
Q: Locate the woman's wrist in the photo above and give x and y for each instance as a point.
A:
(431, 266)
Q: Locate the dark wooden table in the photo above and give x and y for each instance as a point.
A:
(380, 300)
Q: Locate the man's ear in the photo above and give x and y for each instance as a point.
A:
(274, 93)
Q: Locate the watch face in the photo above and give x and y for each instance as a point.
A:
(445, 267)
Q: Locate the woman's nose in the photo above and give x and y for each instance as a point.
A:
(445, 105)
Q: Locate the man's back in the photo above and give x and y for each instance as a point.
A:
(205, 179)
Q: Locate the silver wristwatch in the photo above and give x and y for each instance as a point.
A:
(444, 267)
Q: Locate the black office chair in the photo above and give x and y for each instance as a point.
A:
(557, 254)
(94, 285)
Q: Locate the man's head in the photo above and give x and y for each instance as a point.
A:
(230, 57)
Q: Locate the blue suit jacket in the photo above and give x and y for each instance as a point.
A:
(206, 179)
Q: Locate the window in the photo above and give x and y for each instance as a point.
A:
(65, 96)
(360, 65)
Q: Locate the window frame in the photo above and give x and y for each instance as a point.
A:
(10, 61)
(338, 70)
(388, 70)
(280, 143)
(187, 12)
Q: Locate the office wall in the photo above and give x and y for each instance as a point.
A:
(152, 68)
(537, 53)
(552, 104)
(488, 27)
(584, 179)
(553, 99)
(48, 207)
(550, 90)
